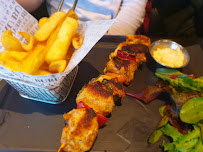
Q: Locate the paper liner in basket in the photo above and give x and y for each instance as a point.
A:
(17, 19)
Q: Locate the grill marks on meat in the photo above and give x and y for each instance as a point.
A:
(123, 67)
(99, 90)
(118, 88)
(80, 131)
(81, 127)
(134, 49)
(83, 123)
(96, 96)
(99, 95)
(119, 63)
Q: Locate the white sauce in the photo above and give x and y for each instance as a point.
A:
(169, 57)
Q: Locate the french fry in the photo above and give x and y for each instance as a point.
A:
(13, 55)
(42, 21)
(11, 64)
(44, 66)
(48, 51)
(53, 36)
(42, 72)
(30, 41)
(48, 27)
(34, 59)
(57, 66)
(69, 54)
(77, 41)
(60, 46)
(10, 42)
(71, 13)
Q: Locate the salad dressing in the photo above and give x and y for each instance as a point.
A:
(169, 57)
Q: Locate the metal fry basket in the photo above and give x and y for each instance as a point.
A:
(54, 95)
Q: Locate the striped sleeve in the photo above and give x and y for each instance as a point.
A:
(129, 18)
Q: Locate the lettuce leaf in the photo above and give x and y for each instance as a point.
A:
(198, 147)
(186, 146)
(180, 80)
(171, 132)
(190, 142)
(193, 134)
(192, 111)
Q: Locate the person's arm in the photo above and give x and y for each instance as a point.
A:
(129, 18)
(30, 5)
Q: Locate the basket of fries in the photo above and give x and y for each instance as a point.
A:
(49, 94)
(41, 62)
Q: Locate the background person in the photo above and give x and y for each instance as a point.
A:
(129, 14)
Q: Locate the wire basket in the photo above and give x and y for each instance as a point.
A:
(53, 95)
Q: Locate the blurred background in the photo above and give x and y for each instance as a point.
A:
(174, 19)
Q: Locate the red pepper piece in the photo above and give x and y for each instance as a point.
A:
(82, 105)
(122, 55)
(173, 76)
(194, 77)
(100, 118)
(177, 75)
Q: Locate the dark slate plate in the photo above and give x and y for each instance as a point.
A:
(35, 126)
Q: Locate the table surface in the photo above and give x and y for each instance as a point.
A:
(35, 126)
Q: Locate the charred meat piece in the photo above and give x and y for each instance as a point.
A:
(137, 51)
(97, 96)
(80, 131)
(117, 88)
(112, 84)
(131, 51)
(123, 67)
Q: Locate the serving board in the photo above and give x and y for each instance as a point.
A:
(35, 126)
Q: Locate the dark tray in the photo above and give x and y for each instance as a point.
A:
(35, 126)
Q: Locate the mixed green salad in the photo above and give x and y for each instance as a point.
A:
(182, 119)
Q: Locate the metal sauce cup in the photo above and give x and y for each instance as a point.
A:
(163, 44)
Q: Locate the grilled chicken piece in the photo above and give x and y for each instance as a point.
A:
(118, 89)
(110, 81)
(98, 97)
(139, 39)
(123, 67)
(136, 51)
(109, 76)
(80, 132)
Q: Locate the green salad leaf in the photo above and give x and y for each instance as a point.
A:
(155, 136)
(180, 80)
(190, 142)
(193, 134)
(187, 92)
(192, 111)
(171, 132)
(162, 110)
